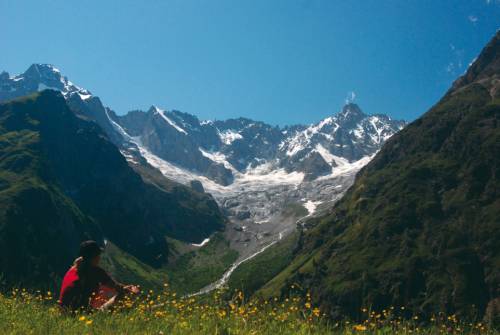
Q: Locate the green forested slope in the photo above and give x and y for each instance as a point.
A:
(420, 227)
(62, 180)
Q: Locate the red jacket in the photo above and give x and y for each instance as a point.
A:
(76, 292)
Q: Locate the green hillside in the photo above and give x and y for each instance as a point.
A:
(420, 227)
(254, 273)
(62, 180)
(189, 268)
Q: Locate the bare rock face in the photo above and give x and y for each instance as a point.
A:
(314, 166)
(197, 186)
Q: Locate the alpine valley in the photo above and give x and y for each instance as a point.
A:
(191, 167)
(265, 180)
(354, 211)
(420, 227)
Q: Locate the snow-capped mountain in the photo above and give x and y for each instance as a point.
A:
(38, 77)
(350, 135)
(264, 177)
(176, 138)
(221, 150)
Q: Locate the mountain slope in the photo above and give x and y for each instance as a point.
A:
(62, 180)
(219, 150)
(164, 135)
(39, 77)
(222, 150)
(420, 226)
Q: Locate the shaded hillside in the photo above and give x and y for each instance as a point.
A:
(62, 180)
(421, 225)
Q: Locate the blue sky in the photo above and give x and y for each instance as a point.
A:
(280, 61)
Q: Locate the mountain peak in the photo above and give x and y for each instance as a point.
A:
(487, 64)
(39, 77)
(42, 71)
(155, 109)
(351, 113)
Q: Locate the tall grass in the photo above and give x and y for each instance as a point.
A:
(166, 313)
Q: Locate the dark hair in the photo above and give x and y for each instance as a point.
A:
(88, 250)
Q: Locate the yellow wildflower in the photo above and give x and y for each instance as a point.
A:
(360, 328)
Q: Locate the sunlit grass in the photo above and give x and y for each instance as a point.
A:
(167, 313)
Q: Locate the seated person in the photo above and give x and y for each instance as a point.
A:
(86, 285)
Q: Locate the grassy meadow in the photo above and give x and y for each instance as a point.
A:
(22, 312)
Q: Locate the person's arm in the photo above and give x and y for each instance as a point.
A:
(107, 280)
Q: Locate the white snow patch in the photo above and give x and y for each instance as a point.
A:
(300, 140)
(229, 136)
(129, 157)
(327, 136)
(295, 148)
(42, 87)
(53, 68)
(205, 241)
(324, 122)
(344, 166)
(379, 138)
(84, 96)
(68, 88)
(311, 206)
(359, 132)
(120, 130)
(218, 157)
(327, 156)
(169, 121)
(258, 178)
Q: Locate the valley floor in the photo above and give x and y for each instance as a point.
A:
(220, 313)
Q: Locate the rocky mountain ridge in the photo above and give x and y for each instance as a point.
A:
(221, 149)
